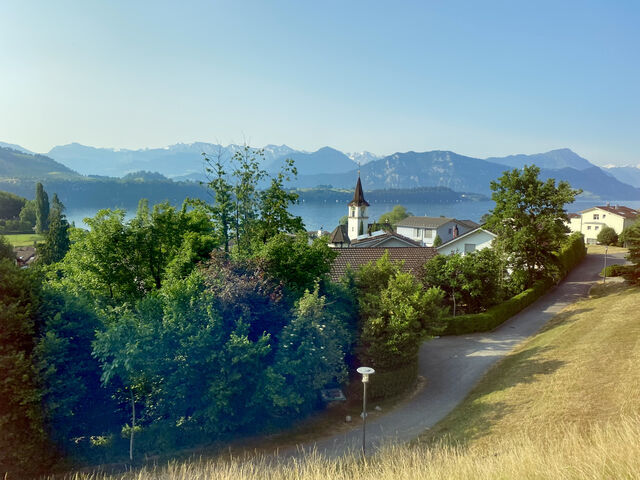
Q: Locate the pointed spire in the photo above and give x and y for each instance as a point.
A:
(358, 196)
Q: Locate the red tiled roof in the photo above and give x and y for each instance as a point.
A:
(414, 258)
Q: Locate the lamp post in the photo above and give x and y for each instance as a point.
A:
(604, 272)
(365, 372)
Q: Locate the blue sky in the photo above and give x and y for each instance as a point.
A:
(479, 78)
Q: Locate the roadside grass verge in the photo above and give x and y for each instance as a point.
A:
(563, 405)
(23, 239)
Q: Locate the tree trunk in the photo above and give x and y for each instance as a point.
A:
(133, 425)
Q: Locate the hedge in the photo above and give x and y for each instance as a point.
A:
(385, 384)
(570, 255)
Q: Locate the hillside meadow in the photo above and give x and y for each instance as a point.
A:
(563, 405)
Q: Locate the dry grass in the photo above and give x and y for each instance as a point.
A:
(565, 405)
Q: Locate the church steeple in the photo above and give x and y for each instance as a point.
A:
(357, 220)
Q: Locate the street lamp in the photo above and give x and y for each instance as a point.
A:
(365, 372)
(604, 277)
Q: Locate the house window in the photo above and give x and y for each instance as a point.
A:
(596, 216)
(596, 227)
(588, 227)
(469, 247)
(450, 231)
(416, 232)
(604, 215)
(353, 212)
(428, 233)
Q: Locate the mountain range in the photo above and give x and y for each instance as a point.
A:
(330, 167)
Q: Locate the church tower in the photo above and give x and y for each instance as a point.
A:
(357, 222)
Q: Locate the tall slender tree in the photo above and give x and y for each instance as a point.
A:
(57, 242)
(42, 209)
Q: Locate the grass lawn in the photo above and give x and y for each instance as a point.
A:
(24, 239)
(599, 249)
(563, 405)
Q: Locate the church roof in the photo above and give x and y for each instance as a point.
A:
(339, 235)
(377, 239)
(358, 196)
(413, 257)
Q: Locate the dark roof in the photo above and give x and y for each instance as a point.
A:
(414, 258)
(358, 196)
(339, 235)
(376, 238)
(468, 223)
(470, 232)
(424, 222)
(621, 210)
(573, 215)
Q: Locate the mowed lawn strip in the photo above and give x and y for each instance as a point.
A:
(24, 239)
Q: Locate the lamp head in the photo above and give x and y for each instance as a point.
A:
(365, 372)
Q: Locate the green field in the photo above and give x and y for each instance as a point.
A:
(24, 239)
(563, 405)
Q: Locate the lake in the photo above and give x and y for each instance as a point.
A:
(326, 215)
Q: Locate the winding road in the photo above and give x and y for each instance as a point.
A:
(453, 365)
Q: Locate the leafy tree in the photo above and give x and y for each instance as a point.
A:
(295, 262)
(74, 403)
(28, 213)
(472, 281)
(631, 239)
(6, 249)
(343, 220)
(394, 216)
(607, 236)
(11, 205)
(311, 353)
(57, 243)
(437, 241)
(529, 220)
(42, 209)
(222, 210)
(274, 206)
(396, 313)
(24, 448)
(248, 175)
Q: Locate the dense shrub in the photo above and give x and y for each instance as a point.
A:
(607, 236)
(570, 255)
(387, 383)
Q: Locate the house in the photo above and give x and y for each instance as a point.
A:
(476, 239)
(413, 259)
(592, 220)
(425, 229)
(383, 239)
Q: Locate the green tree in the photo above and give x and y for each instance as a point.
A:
(311, 353)
(295, 262)
(607, 236)
(471, 281)
(274, 206)
(248, 175)
(394, 216)
(529, 219)
(396, 313)
(28, 213)
(11, 205)
(24, 448)
(437, 241)
(6, 249)
(57, 243)
(631, 239)
(42, 209)
(222, 209)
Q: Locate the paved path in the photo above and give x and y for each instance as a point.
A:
(453, 365)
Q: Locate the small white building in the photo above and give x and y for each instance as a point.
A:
(591, 221)
(472, 241)
(425, 229)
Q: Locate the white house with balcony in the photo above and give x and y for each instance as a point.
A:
(425, 229)
(591, 221)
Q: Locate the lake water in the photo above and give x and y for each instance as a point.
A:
(327, 214)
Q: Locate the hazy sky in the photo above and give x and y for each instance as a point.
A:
(479, 78)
